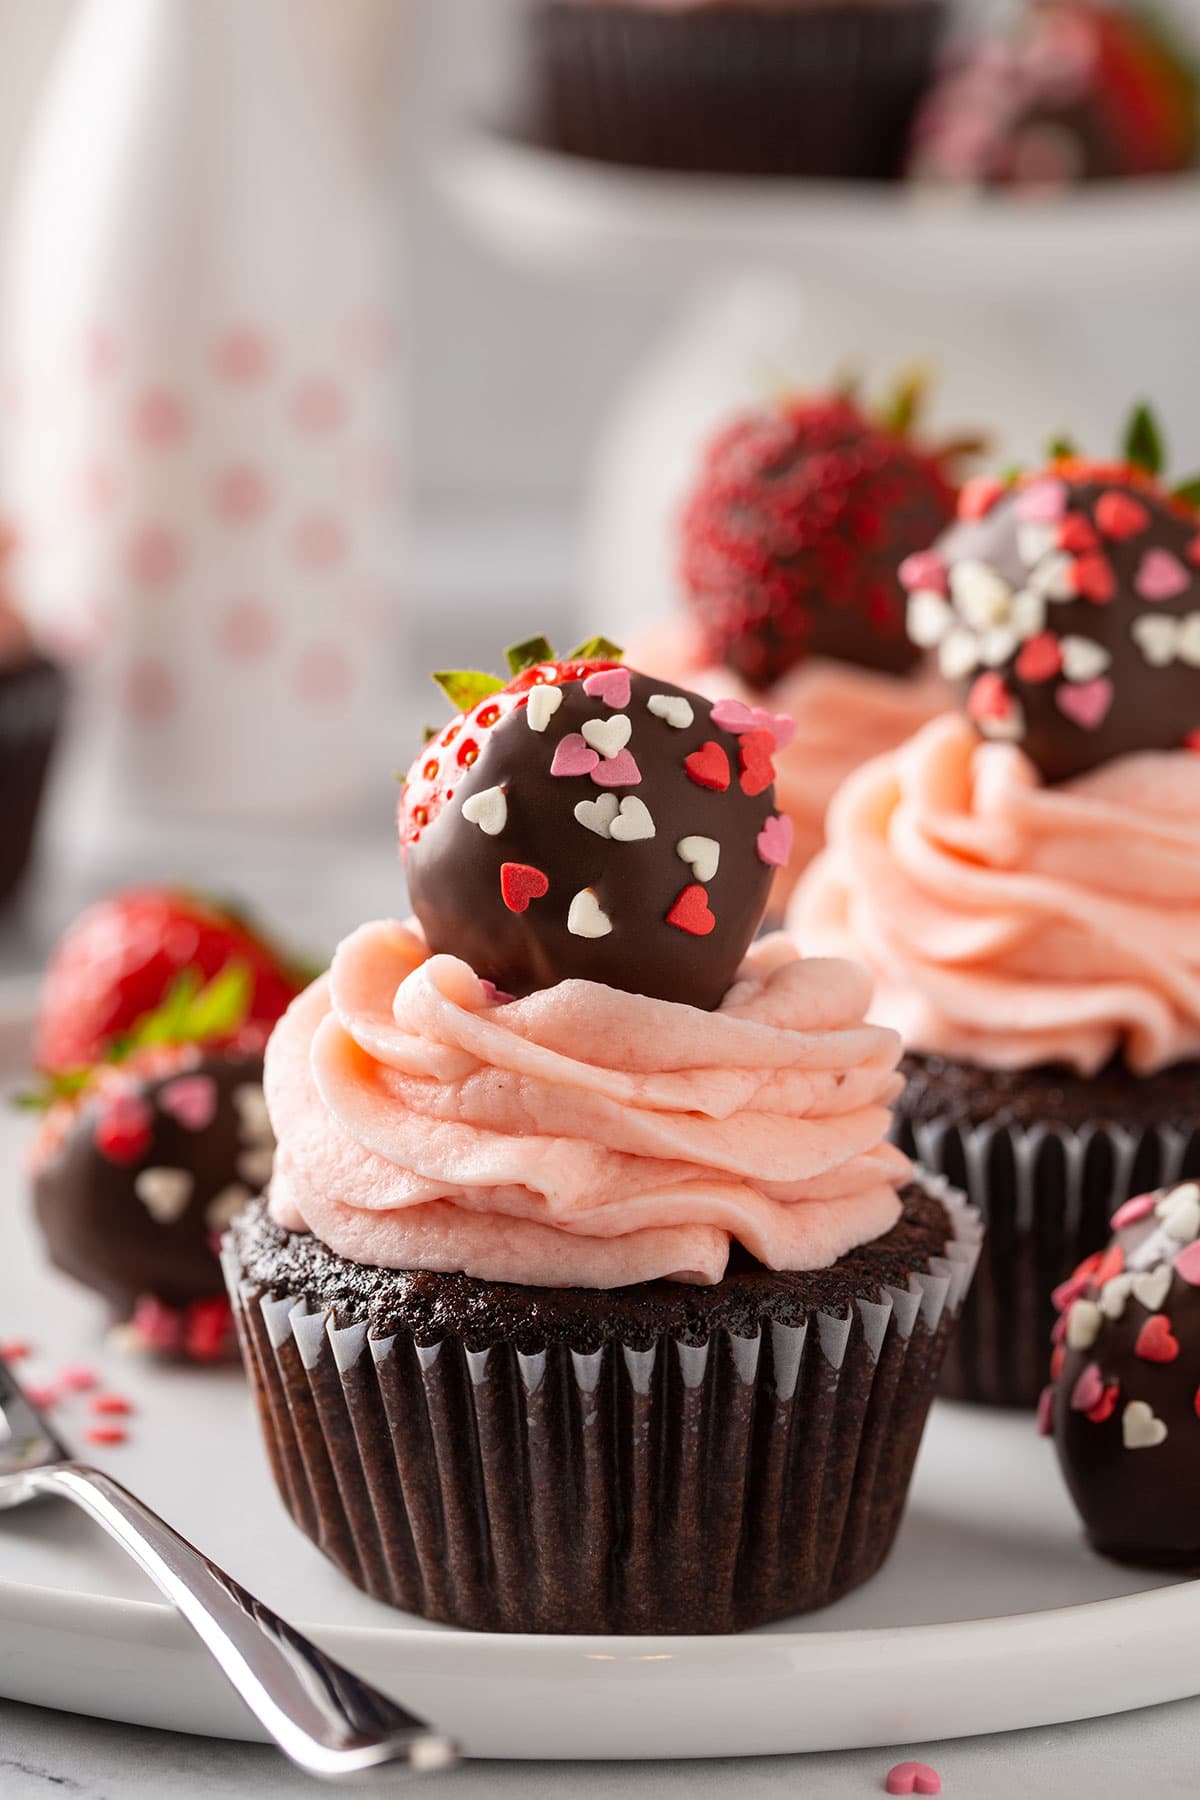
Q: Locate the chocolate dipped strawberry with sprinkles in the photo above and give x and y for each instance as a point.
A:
(586, 820)
(154, 1018)
(1065, 603)
(1123, 1403)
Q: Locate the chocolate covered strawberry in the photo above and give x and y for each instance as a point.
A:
(794, 530)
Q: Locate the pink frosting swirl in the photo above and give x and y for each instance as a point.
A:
(1013, 924)
(581, 1137)
(844, 717)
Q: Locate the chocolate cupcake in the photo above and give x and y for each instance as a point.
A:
(790, 538)
(744, 87)
(32, 703)
(596, 1308)
(150, 1036)
(1024, 880)
(1124, 1400)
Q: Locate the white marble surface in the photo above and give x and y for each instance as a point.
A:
(44, 1754)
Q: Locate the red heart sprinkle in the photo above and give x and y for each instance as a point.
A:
(1196, 1403)
(123, 1130)
(979, 495)
(1120, 516)
(519, 884)
(1193, 551)
(1057, 1358)
(1104, 1407)
(1111, 1263)
(690, 911)
(1068, 1291)
(1156, 1342)
(1045, 1412)
(1040, 658)
(989, 698)
(1094, 578)
(709, 767)
(1192, 740)
(754, 757)
(1076, 534)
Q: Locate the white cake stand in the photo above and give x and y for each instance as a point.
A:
(1035, 315)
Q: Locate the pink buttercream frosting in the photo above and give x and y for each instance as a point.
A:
(582, 1136)
(844, 716)
(1013, 924)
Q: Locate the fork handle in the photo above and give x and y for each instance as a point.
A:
(324, 1718)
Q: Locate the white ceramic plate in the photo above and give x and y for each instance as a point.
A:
(569, 214)
(990, 1614)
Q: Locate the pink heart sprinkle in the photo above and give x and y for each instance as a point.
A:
(1187, 1264)
(1088, 1390)
(1041, 503)
(617, 771)
(733, 715)
(191, 1100)
(609, 685)
(924, 569)
(1059, 1331)
(1161, 576)
(775, 842)
(913, 1778)
(573, 757)
(736, 716)
(1045, 1412)
(1070, 1290)
(1132, 1211)
(1086, 703)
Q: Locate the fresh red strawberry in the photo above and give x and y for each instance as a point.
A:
(125, 955)
(484, 700)
(794, 531)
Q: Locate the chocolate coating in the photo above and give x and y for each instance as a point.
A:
(1129, 690)
(454, 866)
(97, 1228)
(1137, 1497)
(33, 698)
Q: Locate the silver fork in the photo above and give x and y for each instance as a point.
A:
(324, 1718)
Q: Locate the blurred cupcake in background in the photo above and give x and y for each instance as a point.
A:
(748, 87)
(33, 694)
(1072, 92)
(791, 542)
(1023, 878)
(153, 1019)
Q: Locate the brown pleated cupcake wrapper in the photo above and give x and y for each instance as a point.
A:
(1046, 1195)
(678, 1487)
(32, 701)
(826, 91)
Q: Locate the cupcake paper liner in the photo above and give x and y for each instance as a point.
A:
(32, 699)
(1046, 1195)
(824, 91)
(672, 1486)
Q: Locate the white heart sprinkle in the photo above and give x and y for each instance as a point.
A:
(543, 703)
(1189, 641)
(254, 1166)
(587, 919)
(1083, 1324)
(702, 854)
(488, 809)
(928, 618)
(1028, 614)
(608, 736)
(997, 645)
(1083, 659)
(1151, 1288)
(1054, 578)
(672, 708)
(254, 1121)
(633, 821)
(1157, 637)
(982, 597)
(223, 1207)
(1139, 1427)
(958, 654)
(598, 815)
(1114, 1294)
(164, 1193)
(1034, 542)
(1179, 1212)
